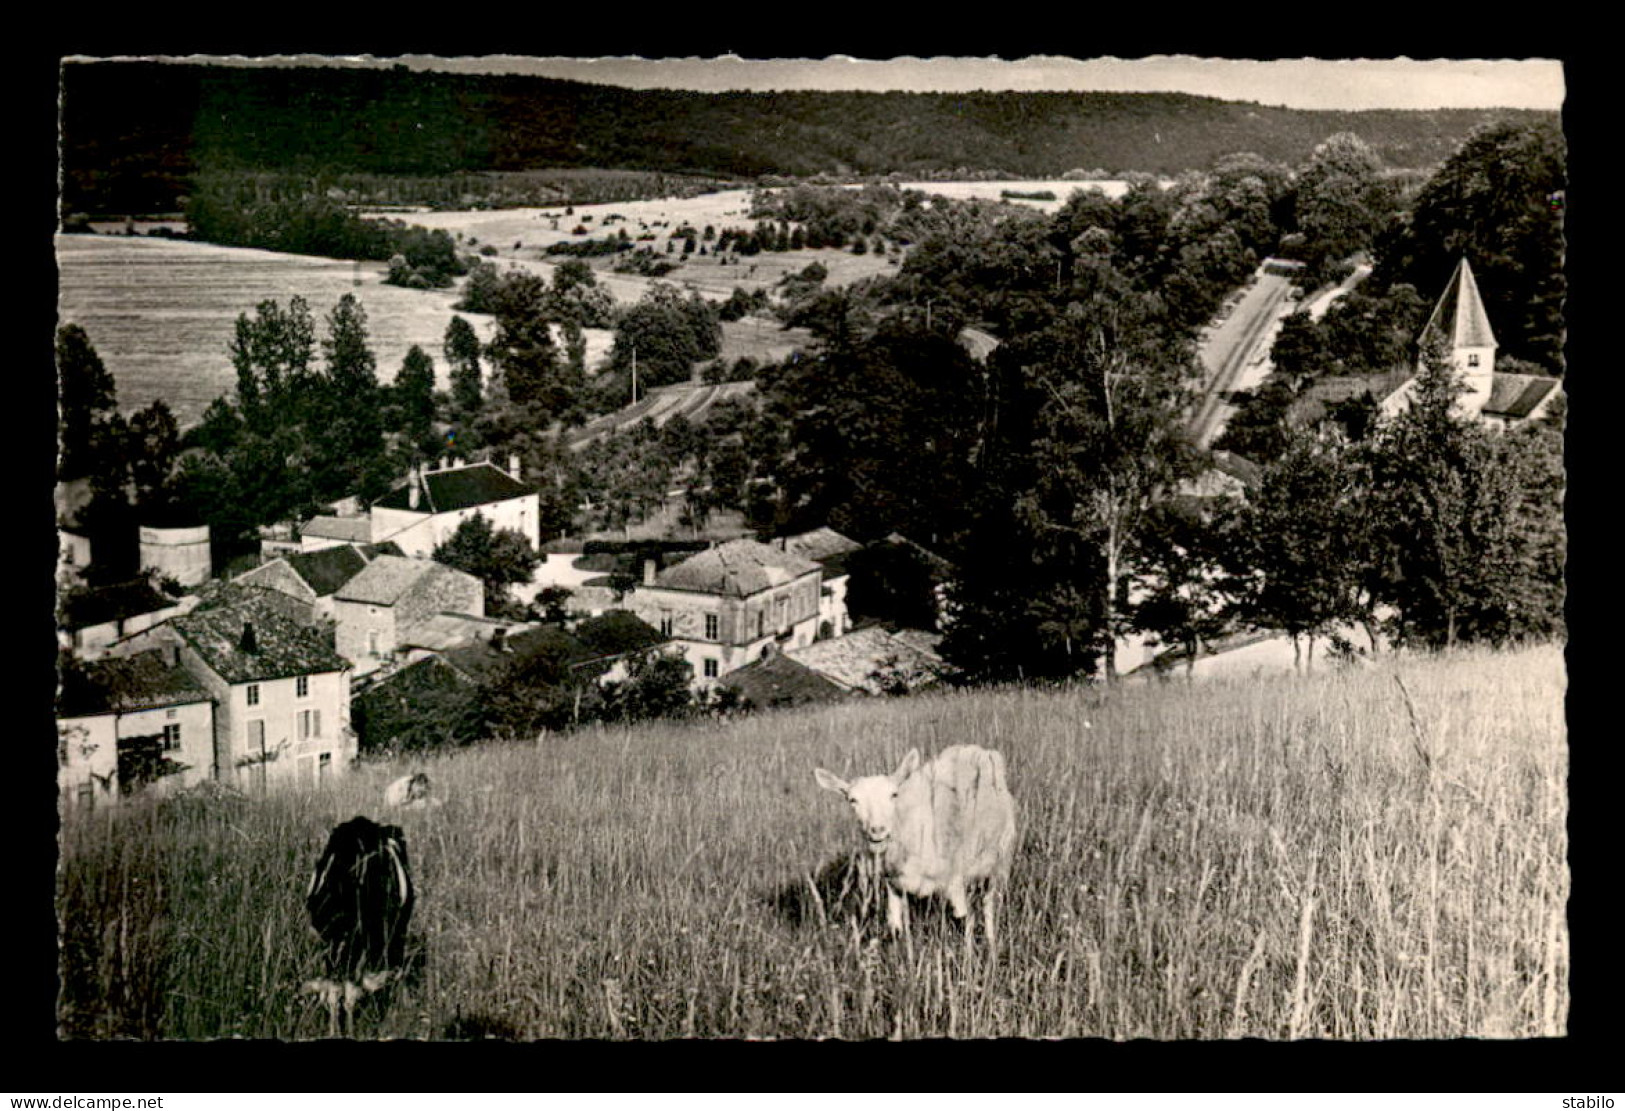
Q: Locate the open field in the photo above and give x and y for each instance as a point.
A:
(1299, 858)
(161, 313)
(994, 190)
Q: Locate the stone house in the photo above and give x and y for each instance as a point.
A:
(145, 701)
(731, 604)
(281, 694)
(830, 550)
(377, 609)
(424, 512)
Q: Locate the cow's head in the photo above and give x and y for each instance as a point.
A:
(873, 798)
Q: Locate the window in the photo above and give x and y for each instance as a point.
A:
(310, 724)
(761, 623)
(665, 623)
(301, 686)
(710, 668)
(253, 694)
(172, 736)
(256, 735)
(324, 766)
(372, 642)
(1472, 359)
(711, 626)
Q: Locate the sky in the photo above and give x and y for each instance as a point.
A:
(1305, 83)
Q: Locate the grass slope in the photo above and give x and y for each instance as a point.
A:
(1319, 856)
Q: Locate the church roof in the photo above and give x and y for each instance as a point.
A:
(1459, 317)
(1516, 396)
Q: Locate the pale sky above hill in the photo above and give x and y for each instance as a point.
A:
(1303, 83)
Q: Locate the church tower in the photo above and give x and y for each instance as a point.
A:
(1459, 318)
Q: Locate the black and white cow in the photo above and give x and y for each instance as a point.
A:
(360, 903)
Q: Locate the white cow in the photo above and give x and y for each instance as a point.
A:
(937, 828)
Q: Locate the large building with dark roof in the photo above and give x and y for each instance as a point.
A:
(423, 513)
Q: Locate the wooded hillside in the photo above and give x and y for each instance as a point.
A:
(134, 132)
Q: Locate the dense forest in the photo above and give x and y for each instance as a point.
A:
(135, 133)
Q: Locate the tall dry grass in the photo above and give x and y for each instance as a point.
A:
(1342, 855)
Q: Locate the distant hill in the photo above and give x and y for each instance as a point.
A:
(134, 132)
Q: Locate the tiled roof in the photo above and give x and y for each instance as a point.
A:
(463, 488)
(355, 530)
(1515, 396)
(327, 569)
(820, 544)
(852, 660)
(283, 647)
(738, 568)
(387, 579)
(617, 631)
(781, 681)
(139, 682)
(442, 631)
(1459, 317)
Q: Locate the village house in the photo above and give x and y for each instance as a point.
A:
(330, 532)
(281, 694)
(1461, 323)
(378, 608)
(423, 513)
(731, 604)
(312, 578)
(145, 706)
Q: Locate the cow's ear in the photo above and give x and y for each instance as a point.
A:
(907, 767)
(828, 781)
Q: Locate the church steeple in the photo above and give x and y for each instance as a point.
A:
(1460, 321)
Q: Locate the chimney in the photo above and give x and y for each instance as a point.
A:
(248, 643)
(412, 493)
(649, 567)
(513, 466)
(445, 462)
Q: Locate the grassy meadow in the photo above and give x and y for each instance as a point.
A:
(1352, 854)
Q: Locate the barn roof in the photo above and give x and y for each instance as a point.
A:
(860, 660)
(461, 488)
(388, 579)
(778, 680)
(738, 568)
(354, 530)
(327, 569)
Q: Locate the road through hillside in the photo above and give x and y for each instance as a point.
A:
(1230, 347)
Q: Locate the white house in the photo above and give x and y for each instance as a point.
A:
(281, 693)
(145, 704)
(422, 514)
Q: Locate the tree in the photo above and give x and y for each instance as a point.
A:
(1342, 200)
(499, 558)
(273, 354)
(656, 686)
(1181, 590)
(87, 395)
(346, 426)
(1303, 554)
(670, 333)
(1108, 442)
(524, 351)
(414, 400)
(154, 453)
(1498, 201)
(461, 347)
